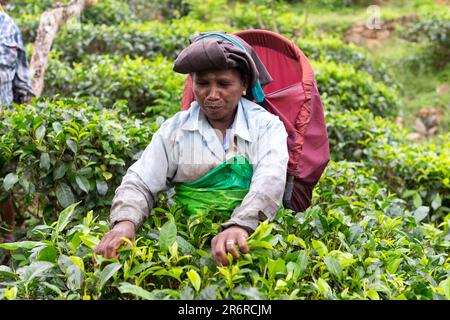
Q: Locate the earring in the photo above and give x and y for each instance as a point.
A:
(244, 93)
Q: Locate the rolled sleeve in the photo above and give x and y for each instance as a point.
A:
(143, 182)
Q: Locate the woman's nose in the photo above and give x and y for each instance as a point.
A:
(213, 93)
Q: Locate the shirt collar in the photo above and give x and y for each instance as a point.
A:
(239, 126)
(192, 121)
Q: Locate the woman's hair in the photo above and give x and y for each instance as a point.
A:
(3, 2)
(245, 75)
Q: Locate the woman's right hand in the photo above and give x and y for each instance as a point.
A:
(111, 241)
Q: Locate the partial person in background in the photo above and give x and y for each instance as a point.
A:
(15, 87)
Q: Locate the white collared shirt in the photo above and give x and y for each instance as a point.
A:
(186, 147)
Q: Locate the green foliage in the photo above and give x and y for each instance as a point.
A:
(135, 39)
(109, 12)
(435, 30)
(65, 151)
(142, 83)
(332, 4)
(351, 90)
(419, 172)
(28, 25)
(207, 10)
(358, 242)
(20, 7)
(158, 9)
(275, 17)
(329, 49)
(377, 229)
(353, 133)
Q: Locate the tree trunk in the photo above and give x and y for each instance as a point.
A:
(51, 21)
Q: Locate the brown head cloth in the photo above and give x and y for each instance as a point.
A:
(214, 52)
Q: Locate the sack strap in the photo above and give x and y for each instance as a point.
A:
(289, 188)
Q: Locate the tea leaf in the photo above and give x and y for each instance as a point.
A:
(333, 266)
(64, 195)
(49, 253)
(195, 279)
(417, 200)
(302, 261)
(437, 202)
(393, 265)
(35, 269)
(445, 284)
(89, 240)
(250, 292)
(373, 295)
(208, 293)
(65, 217)
(7, 272)
(102, 187)
(276, 266)
(126, 287)
(320, 248)
(22, 245)
(294, 239)
(45, 161)
(40, 132)
(11, 293)
(60, 171)
(107, 273)
(421, 213)
(168, 235)
(280, 285)
(78, 262)
(187, 293)
(72, 145)
(53, 288)
(9, 181)
(324, 288)
(74, 275)
(83, 183)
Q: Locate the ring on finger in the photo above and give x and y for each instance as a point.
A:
(230, 242)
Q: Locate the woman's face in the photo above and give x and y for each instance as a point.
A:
(218, 93)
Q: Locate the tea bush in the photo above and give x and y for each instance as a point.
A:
(134, 39)
(158, 9)
(141, 82)
(273, 17)
(333, 49)
(354, 89)
(28, 25)
(20, 7)
(353, 133)
(64, 151)
(358, 242)
(377, 229)
(417, 172)
(109, 12)
(420, 173)
(435, 30)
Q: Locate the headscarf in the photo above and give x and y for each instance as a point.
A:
(218, 50)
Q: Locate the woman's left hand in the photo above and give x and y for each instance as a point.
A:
(226, 241)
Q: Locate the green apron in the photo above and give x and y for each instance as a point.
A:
(221, 189)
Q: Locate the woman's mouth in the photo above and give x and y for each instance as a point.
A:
(213, 107)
